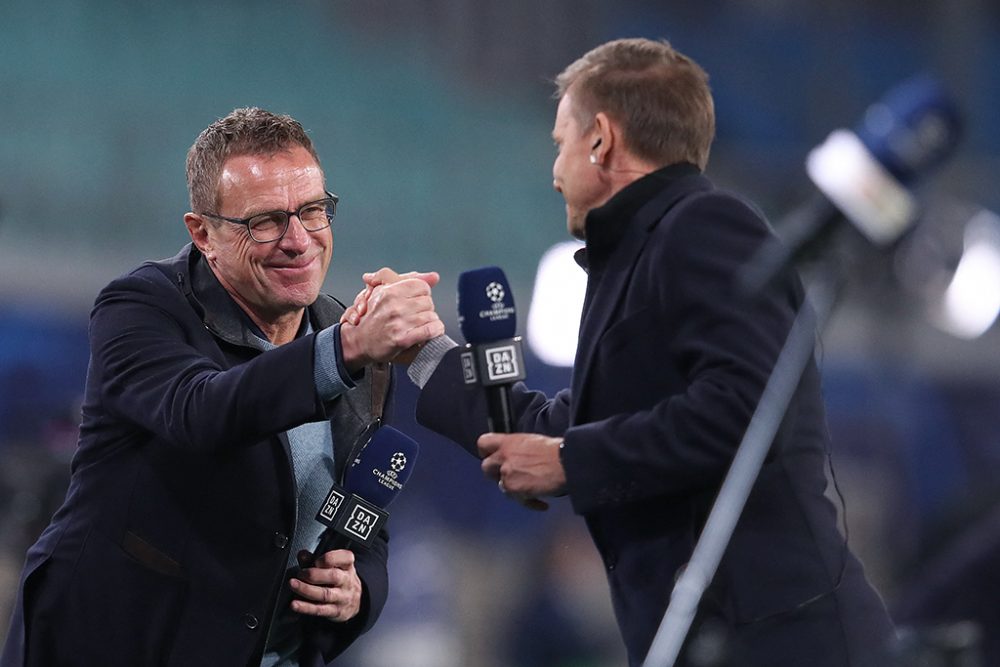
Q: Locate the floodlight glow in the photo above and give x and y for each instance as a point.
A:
(556, 304)
(971, 301)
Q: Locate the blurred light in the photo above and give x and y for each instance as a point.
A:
(849, 176)
(971, 301)
(556, 304)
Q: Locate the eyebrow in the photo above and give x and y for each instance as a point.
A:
(278, 210)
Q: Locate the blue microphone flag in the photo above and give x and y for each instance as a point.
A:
(486, 310)
(355, 512)
(383, 467)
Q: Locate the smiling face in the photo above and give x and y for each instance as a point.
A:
(272, 282)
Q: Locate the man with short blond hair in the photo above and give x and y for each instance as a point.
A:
(670, 366)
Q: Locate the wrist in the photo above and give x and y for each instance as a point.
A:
(561, 454)
(351, 349)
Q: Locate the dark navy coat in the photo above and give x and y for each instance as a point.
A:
(172, 543)
(670, 366)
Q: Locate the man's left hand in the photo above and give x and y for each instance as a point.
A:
(330, 588)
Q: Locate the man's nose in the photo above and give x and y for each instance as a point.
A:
(296, 236)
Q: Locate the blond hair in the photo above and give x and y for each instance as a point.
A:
(660, 97)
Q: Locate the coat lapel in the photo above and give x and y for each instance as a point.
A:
(357, 413)
(606, 292)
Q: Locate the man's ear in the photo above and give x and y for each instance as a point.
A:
(606, 137)
(197, 228)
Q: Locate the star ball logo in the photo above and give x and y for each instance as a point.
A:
(495, 292)
(390, 478)
(497, 312)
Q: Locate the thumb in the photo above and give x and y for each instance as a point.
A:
(432, 278)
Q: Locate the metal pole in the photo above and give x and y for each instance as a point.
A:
(735, 490)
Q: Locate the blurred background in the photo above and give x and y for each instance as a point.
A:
(433, 121)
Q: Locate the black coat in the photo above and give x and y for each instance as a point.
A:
(173, 540)
(670, 366)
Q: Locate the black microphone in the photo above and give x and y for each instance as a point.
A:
(863, 176)
(355, 512)
(493, 358)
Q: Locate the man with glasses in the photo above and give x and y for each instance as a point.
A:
(222, 400)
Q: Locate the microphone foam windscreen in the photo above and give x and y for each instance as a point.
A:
(382, 468)
(485, 305)
(913, 128)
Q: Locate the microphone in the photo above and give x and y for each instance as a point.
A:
(355, 512)
(863, 175)
(493, 358)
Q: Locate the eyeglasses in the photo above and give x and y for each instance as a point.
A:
(271, 226)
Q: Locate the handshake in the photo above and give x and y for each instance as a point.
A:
(390, 319)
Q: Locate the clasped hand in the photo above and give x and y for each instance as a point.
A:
(525, 465)
(390, 316)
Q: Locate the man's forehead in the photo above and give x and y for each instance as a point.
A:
(255, 166)
(564, 116)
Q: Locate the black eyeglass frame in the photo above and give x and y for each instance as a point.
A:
(331, 213)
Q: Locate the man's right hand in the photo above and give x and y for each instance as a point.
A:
(389, 319)
(384, 276)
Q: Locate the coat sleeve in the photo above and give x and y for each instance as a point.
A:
(161, 370)
(154, 374)
(459, 411)
(718, 347)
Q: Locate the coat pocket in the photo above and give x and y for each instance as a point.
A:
(104, 606)
(150, 556)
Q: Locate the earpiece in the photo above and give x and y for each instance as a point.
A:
(593, 158)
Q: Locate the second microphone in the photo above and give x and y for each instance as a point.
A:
(494, 358)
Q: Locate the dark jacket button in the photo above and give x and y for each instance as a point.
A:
(280, 540)
(250, 621)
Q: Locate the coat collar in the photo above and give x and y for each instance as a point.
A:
(622, 227)
(608, 225)
(350, 413)
(221, 314)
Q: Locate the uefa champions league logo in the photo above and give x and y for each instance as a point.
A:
(495, 292)
(390, 478)
(498, 310)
